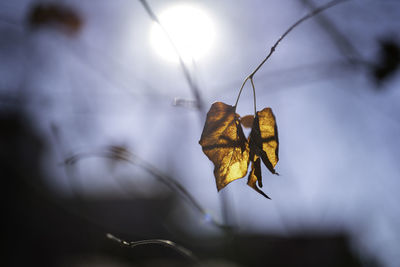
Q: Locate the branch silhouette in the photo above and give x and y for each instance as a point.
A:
(273, 48)
(343, 43)
(167, 243)
(185, 70)
(122, 154)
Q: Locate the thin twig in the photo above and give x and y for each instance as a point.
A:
(185, 70)
(272, 50)
(343, 43)
(132, 159)
(183, 251)
(310, 15)
(192, 85)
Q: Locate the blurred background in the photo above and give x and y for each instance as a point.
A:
(99, 122)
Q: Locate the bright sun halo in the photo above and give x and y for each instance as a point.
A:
(189, 27)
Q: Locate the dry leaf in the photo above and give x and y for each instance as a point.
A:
(224, 143)
(263, 140)
(264, 144)
(247, 121)
(255, 175)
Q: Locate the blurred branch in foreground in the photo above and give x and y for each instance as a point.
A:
(185, 70)
(122, 154)
(167, 243)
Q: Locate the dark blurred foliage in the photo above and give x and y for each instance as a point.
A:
(43, 229)
(56, 15)
(387, 62)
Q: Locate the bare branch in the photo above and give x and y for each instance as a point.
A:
(183, 251)
(310, 15)
(272, 50)
(185, 70)
(342, 42)
(124, 155)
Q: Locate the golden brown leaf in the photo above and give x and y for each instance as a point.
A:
(224, 143)
(264, 144)
(263, 139)
(255, 175)
(247, 121)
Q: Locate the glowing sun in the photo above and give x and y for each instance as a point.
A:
(190, 29)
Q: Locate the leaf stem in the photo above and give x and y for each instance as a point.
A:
(254, 96)
(240, 91)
